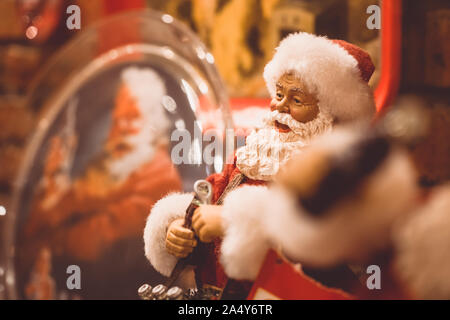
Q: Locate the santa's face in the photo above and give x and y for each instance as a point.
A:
(139, 123)
(269, 147)
(293, 97)
(125, 115)
(294, 120)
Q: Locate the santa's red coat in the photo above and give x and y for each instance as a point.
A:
(209, 270)
(206, 257)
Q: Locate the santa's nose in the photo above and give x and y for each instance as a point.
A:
(282, 105)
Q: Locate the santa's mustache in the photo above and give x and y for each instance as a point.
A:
(283, 118)
(308, 129)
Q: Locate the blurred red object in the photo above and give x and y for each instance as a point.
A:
(279, 280)
(114, 6)
(108, 40)
(391, 44)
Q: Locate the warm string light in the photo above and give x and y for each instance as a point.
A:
(31, 32)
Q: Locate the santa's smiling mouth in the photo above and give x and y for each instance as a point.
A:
(282, 127)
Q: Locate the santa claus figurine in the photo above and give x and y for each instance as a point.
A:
(314, 83)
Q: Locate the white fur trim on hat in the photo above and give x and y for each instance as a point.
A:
(245, 244)
(166, 210)
(328, 70)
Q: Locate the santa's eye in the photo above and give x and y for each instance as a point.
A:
(279, 96)
(297, 101)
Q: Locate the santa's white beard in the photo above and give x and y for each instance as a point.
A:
(148, 91)
(122, 167)
(143, 144)
(267, 149)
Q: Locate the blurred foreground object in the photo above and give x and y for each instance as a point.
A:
(432, 154)
(422, 248)
(405, 232)
(281, 280)
(336, 204)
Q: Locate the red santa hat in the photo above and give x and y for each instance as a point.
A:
(335, 70)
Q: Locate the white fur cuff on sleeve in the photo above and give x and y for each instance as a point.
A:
(245, 243)
(166, 210)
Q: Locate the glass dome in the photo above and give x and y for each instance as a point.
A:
(115, 103)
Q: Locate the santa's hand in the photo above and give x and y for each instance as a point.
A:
(207, 222)
(180, 241)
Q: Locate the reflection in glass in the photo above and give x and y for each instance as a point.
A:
(101, 156)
